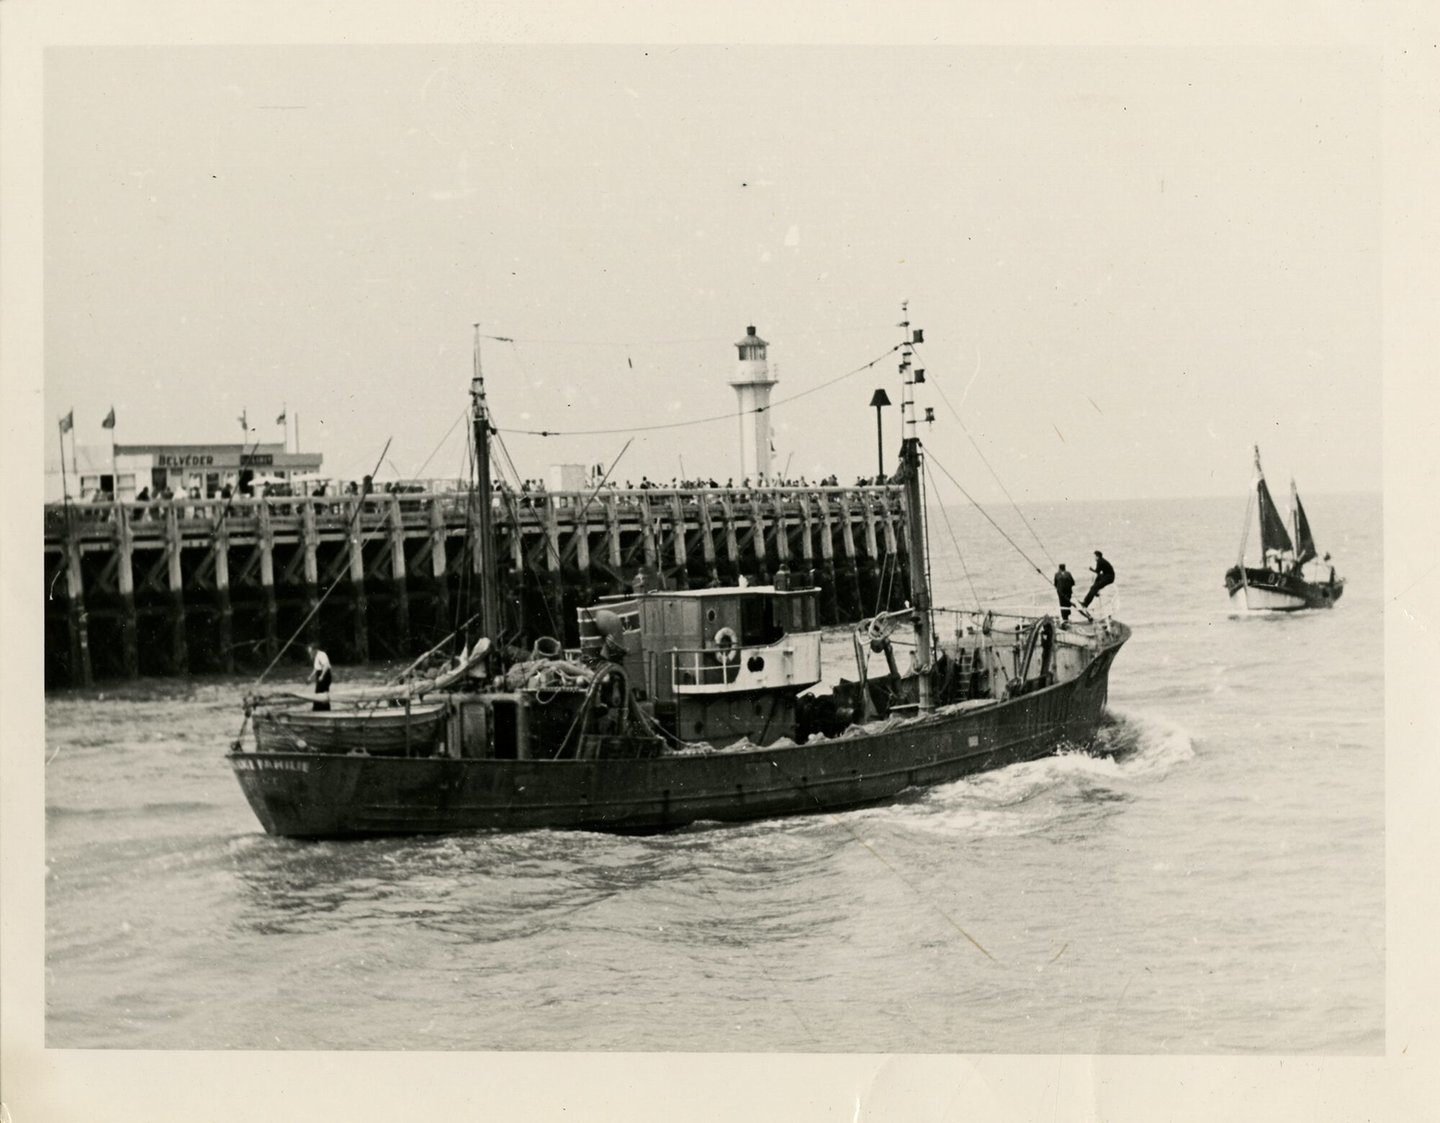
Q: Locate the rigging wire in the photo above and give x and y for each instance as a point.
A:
(702, 420)
(354, 516)
(1245, 529)
(551, 549)
(499, 444)
(974, 503)
(955, 541)
(510, 498)
(660, 342)
(420, 471)
(975, 445)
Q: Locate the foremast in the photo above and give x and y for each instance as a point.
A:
(912, 469)
(482, 551)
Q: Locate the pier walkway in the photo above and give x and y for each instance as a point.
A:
(171, 587)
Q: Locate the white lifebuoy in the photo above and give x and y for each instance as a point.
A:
(727, 645)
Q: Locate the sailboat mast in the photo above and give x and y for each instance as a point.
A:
(1250, 505)
(1295, 523)
(912, 469)
(482, 552)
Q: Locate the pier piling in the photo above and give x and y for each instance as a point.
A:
(217, 585)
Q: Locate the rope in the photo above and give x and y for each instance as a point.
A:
(354, 515)
(991, 521)
(420, 471)
(958, 553)
(975, 445)
(656, 342)
(701, 420)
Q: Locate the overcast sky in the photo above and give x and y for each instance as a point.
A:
(1129, 264)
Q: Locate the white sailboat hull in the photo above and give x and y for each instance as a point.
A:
(1253, 598)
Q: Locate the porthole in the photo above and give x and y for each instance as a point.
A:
(756, 663)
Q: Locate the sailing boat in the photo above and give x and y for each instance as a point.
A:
(1281, 582)
(682, 706)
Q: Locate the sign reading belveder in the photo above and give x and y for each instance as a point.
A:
(207, 460)
(219, 457)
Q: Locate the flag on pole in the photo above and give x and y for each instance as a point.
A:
(67, 422)
(109, 422)
(281, 419)
(244, 424)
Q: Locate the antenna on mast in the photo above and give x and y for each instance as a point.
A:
(912, 469)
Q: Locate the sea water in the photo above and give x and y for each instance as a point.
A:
(1216, 885)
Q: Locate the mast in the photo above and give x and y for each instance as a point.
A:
(1295, 523)
(912, 469)
(483, 547)
(1274, 537)
(1305, 548)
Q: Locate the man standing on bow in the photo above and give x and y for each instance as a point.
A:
(1064, 586)
(1104, 575)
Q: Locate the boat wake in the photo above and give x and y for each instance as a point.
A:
(1143, 744)
(1030, 796)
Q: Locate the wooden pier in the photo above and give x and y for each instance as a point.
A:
(172, 587)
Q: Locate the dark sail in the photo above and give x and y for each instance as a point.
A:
(1304, 541)
(1273, 535)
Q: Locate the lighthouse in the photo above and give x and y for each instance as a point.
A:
(752, 384)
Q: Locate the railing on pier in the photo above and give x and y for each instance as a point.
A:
(226, 580)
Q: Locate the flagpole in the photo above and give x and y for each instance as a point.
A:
(114, 464)
(64, 478)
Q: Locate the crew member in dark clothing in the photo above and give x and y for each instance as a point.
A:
(1104, 575)
(1064, 586)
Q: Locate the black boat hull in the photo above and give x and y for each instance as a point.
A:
(323, 795)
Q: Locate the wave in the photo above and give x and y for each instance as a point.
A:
(62, 811)
(1032, 795)
(1143, 744)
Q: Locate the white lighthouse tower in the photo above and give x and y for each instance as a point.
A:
(752, 384)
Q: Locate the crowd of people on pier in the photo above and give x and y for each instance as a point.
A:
(528, 494)
(532, 493)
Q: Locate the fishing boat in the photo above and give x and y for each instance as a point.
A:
(1292, 574)
(680, 706)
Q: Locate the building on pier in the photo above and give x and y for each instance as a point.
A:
(123, 471)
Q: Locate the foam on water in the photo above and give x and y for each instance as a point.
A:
(1212, 878)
